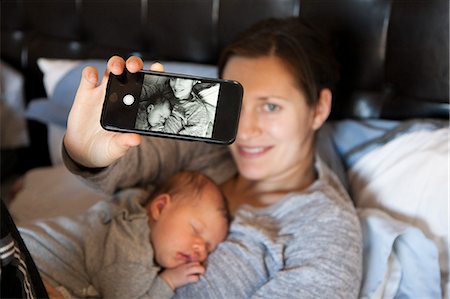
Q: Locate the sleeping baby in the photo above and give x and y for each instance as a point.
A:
(157, 113)
(126, 248)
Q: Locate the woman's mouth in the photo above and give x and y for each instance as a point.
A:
(253, 151)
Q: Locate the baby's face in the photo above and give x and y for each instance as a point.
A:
(189, 229)
(158, 113)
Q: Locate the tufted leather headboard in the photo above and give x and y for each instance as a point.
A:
(394, 54)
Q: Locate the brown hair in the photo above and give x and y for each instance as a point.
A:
(192, 184)
(305, 51)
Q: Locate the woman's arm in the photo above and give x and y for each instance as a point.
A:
(153, 161)
(234, 270)
(113, 160)
(197, 119)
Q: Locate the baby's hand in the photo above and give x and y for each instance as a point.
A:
(183, 274)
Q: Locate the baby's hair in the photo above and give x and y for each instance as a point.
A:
(157, 100)
(190, 183)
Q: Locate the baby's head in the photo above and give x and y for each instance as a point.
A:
(188, 218)
(158, 112)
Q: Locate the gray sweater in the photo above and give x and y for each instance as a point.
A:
(103, 252)
(308, 245)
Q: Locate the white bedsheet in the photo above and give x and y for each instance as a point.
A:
(408, 178)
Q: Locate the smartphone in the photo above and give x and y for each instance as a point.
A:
(173, 105)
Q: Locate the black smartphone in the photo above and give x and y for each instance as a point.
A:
(173, 105)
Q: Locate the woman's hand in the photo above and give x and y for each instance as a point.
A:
(85, 140)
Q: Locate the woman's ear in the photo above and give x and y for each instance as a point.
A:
(158, 204)
(322, 108)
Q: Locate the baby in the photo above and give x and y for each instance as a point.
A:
(123, 249)
(157, 113)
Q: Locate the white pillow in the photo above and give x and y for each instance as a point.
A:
(53, 70)
(408, 178)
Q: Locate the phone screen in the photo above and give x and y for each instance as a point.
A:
(173, 105)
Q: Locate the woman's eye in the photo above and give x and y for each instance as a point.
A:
(270, 107)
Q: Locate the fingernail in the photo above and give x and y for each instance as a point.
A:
(92, 78)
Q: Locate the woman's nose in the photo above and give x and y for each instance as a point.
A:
(248, 124)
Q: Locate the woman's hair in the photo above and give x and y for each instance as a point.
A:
(188, 185)
(305, 51)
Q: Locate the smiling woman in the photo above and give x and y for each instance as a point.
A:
(294, 224)
(393, 60)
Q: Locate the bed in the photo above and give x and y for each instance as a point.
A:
(387, 137)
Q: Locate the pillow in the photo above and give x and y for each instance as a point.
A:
(408, 178)
(398, 261)
(52, 191)
(354, 138)
(53, 70)
(327, 151)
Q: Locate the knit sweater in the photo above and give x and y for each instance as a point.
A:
(307, 245)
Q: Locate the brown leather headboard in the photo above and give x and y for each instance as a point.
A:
(394, 54)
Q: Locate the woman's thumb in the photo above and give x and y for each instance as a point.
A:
(125, 141)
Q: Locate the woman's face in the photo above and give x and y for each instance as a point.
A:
(275, 133)
(181, 87)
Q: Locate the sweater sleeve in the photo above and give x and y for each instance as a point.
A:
(197, 120)
(131, 280)
(153, 161)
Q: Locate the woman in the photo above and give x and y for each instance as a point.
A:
(295, 233)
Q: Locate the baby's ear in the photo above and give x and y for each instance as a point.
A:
(150, 108)
(158, 204)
